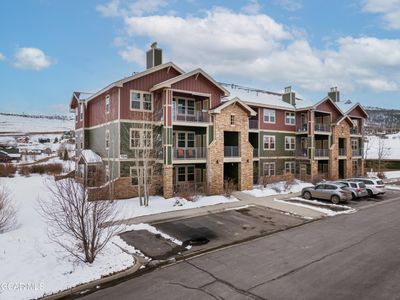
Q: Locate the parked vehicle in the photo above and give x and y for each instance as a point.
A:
(375, 186)
(358, 188)
(334, 192)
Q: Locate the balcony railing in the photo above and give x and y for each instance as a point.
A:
(255, 152)
(357, 152)
(322, 127)
(355, 130)
(302, 128)
(342, 151)
(321, 152)
(253, 124)
(197, 116)
(302, 152)
(190, 187)
(190, 153)
(231, 151)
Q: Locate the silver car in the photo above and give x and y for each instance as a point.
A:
(358, 188)
(374, 185)
(334, 192)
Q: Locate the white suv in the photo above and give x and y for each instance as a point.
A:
(375, 186)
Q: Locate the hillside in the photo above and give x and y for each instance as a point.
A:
(23, 123)
(383, 119)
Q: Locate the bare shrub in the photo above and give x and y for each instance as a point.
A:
(24, 171)
(229, 187)
(49, 168)
(7, 170)
(7, 211)
(289, 181)
(75, 223)
(318, 179)
(267, 179)
(187, 191)
(381, 175)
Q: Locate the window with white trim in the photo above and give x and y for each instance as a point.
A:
(185, 139)
(290, 167)
(141, 101)
(141, 138)
(269, 142)
(107, 104)
(290, 118)
(81, 111)
(290, 143)
(185, 174)
(137, 175)
(185, 106)
(232, 119)
(269, 116)
(269, 169)
(107, 139)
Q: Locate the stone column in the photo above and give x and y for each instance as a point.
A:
(168, 189)
(167, 144)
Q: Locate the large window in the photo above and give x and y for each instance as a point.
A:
(185, 106)
(185, 139)
(138, 175)
(269, 169)
(290, 118)
(269, 116)
(185, 174)
(107, 104)
(269, 142)
(141, 138)
(354, 144)
(289, 167)
(290, 143)
(141, 101)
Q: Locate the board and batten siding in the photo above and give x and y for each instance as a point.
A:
(279, 144)
(279, 120)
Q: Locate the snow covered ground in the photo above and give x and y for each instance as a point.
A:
(392, 143)
(277, 188)
(18, 124)
(28, 257)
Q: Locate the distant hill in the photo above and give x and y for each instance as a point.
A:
(382, 119)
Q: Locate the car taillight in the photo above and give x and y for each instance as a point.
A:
(358, 190)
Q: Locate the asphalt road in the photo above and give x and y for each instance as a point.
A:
(354, 256)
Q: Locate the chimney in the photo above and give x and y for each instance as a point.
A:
(334, 94)
(288, 96)
(153, 56)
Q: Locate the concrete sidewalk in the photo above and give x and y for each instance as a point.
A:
(244, 199)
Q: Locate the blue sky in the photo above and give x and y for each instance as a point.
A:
(48, 49)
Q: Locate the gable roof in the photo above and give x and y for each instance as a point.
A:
(169, 82)
(120, 82)
(225, 104)
(348, 107)
(327, 98)
(90, 157)
(347, 118)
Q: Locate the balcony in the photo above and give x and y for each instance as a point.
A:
(197, 153)
(321, 127)
(196, 117)
(355, 131)
(342, 151)
(231, 151)
(302, 128)
(302, 153)
(357, 152)
(253, 124)
(321, 152)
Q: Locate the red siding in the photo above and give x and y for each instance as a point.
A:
(357, 112)
(96, 108)
(201, 85)
(279, 121)
(144, 83)
(79, 124)
(327, 106)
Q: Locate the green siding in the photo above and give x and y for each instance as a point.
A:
(279, 144)
(210, 134)
(279, 165)
(95, 140)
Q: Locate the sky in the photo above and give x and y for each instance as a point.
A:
(49, 48)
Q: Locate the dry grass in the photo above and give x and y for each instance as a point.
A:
(7, 170)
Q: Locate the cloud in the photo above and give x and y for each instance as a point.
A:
(116, 8)
(256, 48)
(390, 10)
(290, 5)
(2, 57)
(31, 58)
(252, 8)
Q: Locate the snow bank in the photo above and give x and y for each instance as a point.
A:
(277, 189)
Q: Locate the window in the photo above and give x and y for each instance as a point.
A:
(81, 141)
(181, 139)
(139, 177)
(290, 143)
(190, 140)
(185, 106)
(107, 139)
(289, 167)
(232, 119)
(141, 138)
(269, 116)
(269, 142)
(107, 104)
(290, 119)
(186, 139)
(81, 111)
(354, 144)
(141, 101)
(269, 169)
(185, 173)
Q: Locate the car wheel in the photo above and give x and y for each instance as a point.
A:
(335, 199)
(370, 193)
(353, 196)
(307, 195)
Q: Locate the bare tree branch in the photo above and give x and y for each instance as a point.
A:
(7, 212)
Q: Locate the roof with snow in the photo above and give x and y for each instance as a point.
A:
(90, 157)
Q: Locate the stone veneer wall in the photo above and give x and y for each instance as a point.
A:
(215, 158)
(341, 130)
